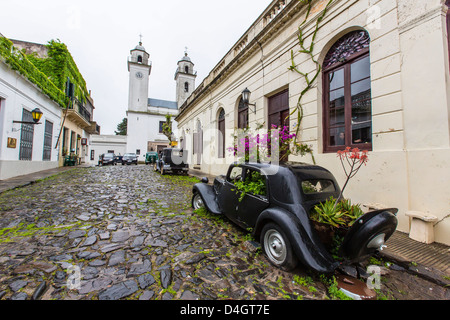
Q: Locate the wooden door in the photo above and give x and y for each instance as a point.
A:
(278, 113)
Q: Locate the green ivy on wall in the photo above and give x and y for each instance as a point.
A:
(50, 73)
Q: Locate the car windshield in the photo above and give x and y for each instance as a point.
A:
(109, 155)
(129, 155)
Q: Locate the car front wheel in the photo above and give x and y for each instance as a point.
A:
(197, 201)
(277, 247)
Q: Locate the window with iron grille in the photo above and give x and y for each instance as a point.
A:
(26, 136)
(48, 141)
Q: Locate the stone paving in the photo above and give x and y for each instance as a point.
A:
(126, 232)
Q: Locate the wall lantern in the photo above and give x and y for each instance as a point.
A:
(36, 114)
(246, 99)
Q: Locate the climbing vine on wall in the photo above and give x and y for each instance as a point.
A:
(18, 61)
(310, 78)
(50, 73)
(58, 66)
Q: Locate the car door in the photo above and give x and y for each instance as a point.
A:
(228, 197)
(251, 205)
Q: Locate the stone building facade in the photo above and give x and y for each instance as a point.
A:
(383, 86)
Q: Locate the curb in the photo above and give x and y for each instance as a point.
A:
(427, 273)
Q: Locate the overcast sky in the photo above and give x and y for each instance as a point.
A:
(100, 35)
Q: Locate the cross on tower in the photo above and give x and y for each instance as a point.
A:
(185, 51)
(140, 39)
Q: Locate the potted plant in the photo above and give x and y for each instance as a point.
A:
(332, 219)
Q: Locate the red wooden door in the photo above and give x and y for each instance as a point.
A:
(278, 113)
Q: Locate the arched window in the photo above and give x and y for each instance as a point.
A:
(186, 87)
(186, 69)
(221, 127)
(140, 59)
(242, 115)
(347, 116)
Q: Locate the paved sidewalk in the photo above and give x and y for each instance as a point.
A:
(431, 262)
(24, 180)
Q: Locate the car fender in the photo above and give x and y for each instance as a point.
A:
(366, 228)
(209, 198)
(305, 244)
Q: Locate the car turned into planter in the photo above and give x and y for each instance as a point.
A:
(276, 206)
(172, 160)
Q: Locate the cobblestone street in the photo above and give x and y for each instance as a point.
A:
(126, 232)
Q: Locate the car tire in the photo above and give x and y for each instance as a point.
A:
(277, 247)
(197, 201)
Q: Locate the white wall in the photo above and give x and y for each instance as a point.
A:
(144, 127)
(16, 94)
(103, 143)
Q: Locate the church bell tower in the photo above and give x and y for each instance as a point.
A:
(139, 68)
(185, 78)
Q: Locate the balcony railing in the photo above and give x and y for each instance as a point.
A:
(82, 111)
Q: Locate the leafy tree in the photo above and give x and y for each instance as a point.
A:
(167, 127)
(122, 128)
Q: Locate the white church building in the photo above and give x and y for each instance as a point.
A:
(146, 115)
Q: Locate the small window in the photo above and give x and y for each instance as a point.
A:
(161, 123)
(186, 87)
(140, 59)
(317, 186)
(235, 174)
(186, 69)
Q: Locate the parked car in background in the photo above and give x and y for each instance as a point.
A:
(130, 158)
(172, 160)
(151, 157)
(278, 209)
(106, 159)
(118, 159)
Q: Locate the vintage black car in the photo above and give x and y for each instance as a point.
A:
(172, 160)
(280, 215)
(130, 158)
(107, 158)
